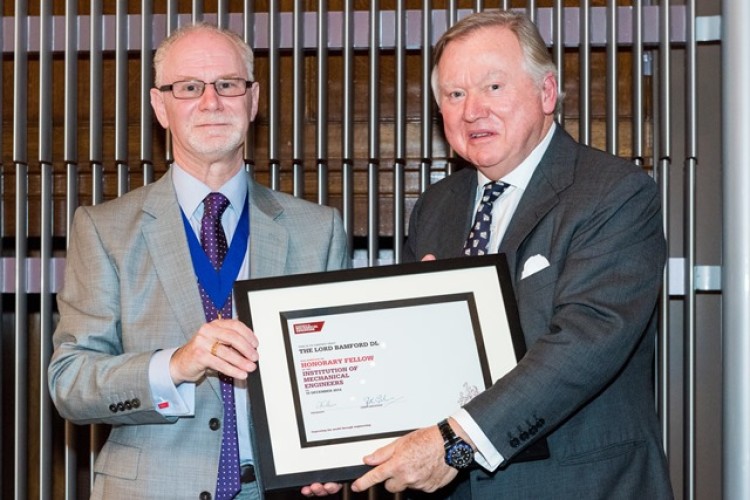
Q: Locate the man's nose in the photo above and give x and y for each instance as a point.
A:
(210, 99)
(474, 107)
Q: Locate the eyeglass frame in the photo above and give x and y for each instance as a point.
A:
(170, 87)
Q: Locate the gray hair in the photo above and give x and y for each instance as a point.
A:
(161, 52)
(537, 59)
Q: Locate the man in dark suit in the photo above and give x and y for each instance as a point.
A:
(144, 334)
(583, 235)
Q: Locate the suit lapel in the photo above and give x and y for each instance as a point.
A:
(554, 174)
(454, 224)
(165, 237)
(269, 241)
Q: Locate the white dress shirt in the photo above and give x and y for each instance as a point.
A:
(502, 211)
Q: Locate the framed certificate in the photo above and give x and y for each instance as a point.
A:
(352, 359)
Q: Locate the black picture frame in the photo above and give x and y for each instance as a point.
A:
(287, 451)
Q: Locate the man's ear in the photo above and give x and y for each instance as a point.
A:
(157, 103)
(549, 94)
(254, 98)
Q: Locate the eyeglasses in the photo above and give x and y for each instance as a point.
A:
(193, 89)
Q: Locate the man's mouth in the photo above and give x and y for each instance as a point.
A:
(479, 135)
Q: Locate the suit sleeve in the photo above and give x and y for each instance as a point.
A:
(89, 371)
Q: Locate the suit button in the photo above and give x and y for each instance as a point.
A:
(524, 436)
(204, 495)
(532, 430)
(515, 442)
(128, 405)
(113, 408)
(136, 402)
(120, 406)
(539, 423)
(214, 424)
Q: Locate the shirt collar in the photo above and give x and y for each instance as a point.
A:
(521, 175)
(191, 192)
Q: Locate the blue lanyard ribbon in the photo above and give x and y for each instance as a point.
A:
(218, 284)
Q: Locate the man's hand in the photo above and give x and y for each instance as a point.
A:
(415, 461)
(321, 490)
(224, 345)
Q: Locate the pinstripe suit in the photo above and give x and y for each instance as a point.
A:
(129, 290)
(589, 320)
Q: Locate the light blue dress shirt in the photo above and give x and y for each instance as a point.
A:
(179, 401)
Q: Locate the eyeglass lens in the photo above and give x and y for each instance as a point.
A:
(190, 89)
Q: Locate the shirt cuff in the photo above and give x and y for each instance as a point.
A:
(169, 400)
(487, 455)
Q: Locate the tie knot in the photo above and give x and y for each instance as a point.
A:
(214, 205)
(493, 190)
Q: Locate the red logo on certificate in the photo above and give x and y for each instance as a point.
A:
(311, 327)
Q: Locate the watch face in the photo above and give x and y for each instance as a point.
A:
(460, 455)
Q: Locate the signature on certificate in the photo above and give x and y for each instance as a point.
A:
(379, 400)
(325, 404)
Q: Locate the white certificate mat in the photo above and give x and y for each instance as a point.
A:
(350, 360)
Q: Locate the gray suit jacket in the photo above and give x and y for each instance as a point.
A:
(589, 321)
(130, 290)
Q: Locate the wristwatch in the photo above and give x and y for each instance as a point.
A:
(458, 453)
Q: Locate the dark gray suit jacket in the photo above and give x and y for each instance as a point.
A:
(589, 321)
(130, 290)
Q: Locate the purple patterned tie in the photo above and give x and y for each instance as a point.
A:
(479, 235)
(214, 243)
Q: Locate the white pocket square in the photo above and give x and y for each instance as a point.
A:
(534, 264)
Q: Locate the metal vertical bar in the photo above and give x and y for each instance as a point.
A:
(196, 11)
(399, 165)
(20, 434)
(46, 301)
(70, 155)
(147, 79)
(637, 109)
(298, 99)
(735, 45)
(172, 26)
(665, 160)
(121, 96)
(347, 124)
(20, 83)
(248, 34)
(531, 10)
(689, 245)
(222, 14)
(612, 118)
(45, 82)
(505, 4)
(274, 102)
(478, 5)
(96, 157)
(172, 11)
(584, 73)
(452, 19)
(2, 218)
(558, 50)
(452, 13)
(373, 125)
(321, 129)
(45, 255)
(426, 114)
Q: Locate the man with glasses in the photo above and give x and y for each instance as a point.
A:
(146, 340)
